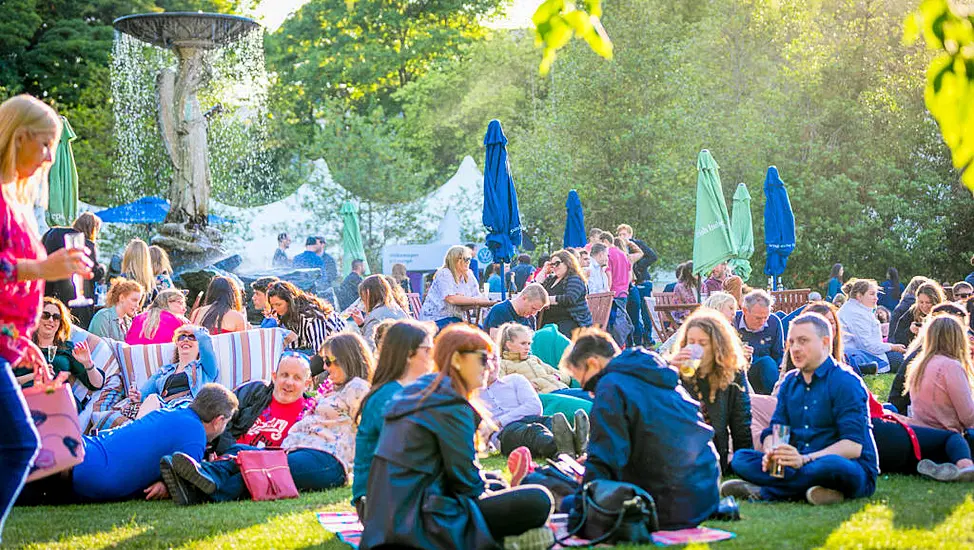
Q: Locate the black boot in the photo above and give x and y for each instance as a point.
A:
(191, 471)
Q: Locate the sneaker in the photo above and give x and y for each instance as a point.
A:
(190, 470)
(940, 472)
(870, 368)
(564, 435)
(520, 464)
(182, 493)
(581, 432)
(966, 475)
(741, 490)
(820, 496)
(541, 538)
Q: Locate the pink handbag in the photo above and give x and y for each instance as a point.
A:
(55, 413)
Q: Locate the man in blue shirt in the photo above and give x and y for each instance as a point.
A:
(330, 266)
(521, 309)
(311, 257)
(763, 340)
(831, 454)
(522, 271)
(124, 463)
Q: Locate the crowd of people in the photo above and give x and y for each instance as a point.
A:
(401, 408)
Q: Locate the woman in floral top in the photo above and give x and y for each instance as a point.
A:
(454, 289)
(29, 133)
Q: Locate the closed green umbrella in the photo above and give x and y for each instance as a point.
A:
(62, 206)
(743, 232)
(713, 243)
(352, 248)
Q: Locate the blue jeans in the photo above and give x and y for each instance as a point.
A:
(19, 442)
(891, 361)
(446, 321)
(635, 315)
(312, 470)
(645, 290)
(763, 374)
(831, 471)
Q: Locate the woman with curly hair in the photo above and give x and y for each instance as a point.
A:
(718, 381)
(310, 319)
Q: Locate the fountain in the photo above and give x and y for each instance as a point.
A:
(182, 124)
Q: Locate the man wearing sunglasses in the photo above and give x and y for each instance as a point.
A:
(962, 292)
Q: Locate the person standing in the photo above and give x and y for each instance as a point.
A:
(29, 133)
(642, 283)
(835, 282)
(522, 271)
(330, 271)
(63, 290)
(348, 291)
(892, 289)
(619, 269)
(831, 455)
(280, 259)
(598, 279)
(311, 257)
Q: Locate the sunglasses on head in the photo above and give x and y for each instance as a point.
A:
(185, 337)
(47, 315)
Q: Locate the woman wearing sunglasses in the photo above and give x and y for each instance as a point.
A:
(175, 385)
(425, 486)
(453, 291)
(567, 288)
(53, 337)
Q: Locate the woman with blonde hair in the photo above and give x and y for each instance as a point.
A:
(454, 290)
(161, 268)
(378, 304)
(715, 376)
(567, 288)
(928, 295)
(940, 378)
(158, 324)
(121, 306)
(137, 266)
(401, 277)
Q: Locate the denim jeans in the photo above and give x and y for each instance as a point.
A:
(633, 309)
(19, 442)
(645, 290)
(830, 471)
(763, 375)
(312, 470)
(447, 321)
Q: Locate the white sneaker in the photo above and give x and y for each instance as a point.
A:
(941, 472)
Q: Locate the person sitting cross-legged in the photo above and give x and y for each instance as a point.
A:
(831, 454)
(321, 445)
(124, 463)
(764, 345)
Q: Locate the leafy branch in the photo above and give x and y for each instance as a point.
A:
(556, 21)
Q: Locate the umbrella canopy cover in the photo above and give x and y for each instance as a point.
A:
(63, 180)
(352, 248)
(779, 224)
(501, 215)
(713, 242)
(743, 231)
(147, 210)
(574, 222)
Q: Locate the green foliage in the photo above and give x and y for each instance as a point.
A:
(556, 21)
(949, 92)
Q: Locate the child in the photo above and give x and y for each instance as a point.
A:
(515, 343)
(883, 315)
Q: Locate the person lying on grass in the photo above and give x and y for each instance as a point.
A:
(320, 445)
(831, 454)
(123, 463)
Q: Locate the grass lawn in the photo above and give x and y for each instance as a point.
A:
(905, 512)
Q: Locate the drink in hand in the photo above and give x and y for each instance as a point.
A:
(689, 368)
(780, 435)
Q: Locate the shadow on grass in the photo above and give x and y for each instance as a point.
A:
(280, 524)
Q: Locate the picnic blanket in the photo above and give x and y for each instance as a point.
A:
(348, 529)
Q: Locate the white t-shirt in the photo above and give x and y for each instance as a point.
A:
(598, 281)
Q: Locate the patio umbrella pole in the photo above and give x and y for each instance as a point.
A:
(503, 284)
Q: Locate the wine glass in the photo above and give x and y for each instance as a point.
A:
(76, 241)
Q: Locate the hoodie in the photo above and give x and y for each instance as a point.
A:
(648, 431)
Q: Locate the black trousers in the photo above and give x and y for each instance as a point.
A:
(533, 432)
(513, 511)
(896, 451)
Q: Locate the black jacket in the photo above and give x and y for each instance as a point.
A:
(64, 289)
(728, 414)
(641, 268)
(425, 479)
(906, 302)
(648, 431)
(253, 398)
(902, 333)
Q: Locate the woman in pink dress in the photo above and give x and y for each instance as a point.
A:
(29, 133)
(158, 324)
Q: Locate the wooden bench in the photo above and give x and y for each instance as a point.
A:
(788, 301)
(600, 304)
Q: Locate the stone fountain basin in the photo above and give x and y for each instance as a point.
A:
(172, 30)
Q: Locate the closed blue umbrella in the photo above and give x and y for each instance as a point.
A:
(501, 216)
(147, 210)
(574, 222)
(779, 225)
